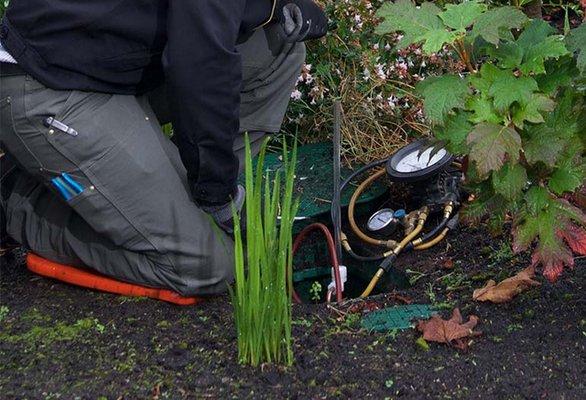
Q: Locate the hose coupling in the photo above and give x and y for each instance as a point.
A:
(345, 243)
(448, 209)
(422, 215)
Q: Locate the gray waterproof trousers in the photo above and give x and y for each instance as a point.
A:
(135, 219)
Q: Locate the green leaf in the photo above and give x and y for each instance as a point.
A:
(537, 199)
(546, 142)
(534, 33)
(509, 54)
(454, 132)
(434, 40)
(509, 181)
(441, 95)
(507, 89)
(416, 23)
(576, 42)
(460, 16)
(542, 145)
(494, 24)
(531, 111)
(558, 73)
(568, 176)
(534, 57)
(483, 110)
(483, 80)
(491, 144)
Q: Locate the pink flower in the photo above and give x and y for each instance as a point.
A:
(296, 95)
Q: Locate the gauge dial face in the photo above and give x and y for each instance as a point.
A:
(380, 220)
(416, 161)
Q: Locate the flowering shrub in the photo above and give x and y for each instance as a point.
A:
(373, 80)
(518, 113)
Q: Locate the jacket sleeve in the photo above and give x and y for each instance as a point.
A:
(203, 70)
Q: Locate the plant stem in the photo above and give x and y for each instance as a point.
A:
(460, 49)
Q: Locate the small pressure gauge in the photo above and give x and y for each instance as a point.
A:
(382, 222)
(417, 161)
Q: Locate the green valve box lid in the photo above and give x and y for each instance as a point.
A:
(397, 317)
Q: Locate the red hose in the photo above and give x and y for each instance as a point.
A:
(331, 249)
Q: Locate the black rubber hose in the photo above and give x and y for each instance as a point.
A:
(335, 209)
(363, 258)
(336, 203)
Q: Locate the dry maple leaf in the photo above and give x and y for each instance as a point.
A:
(449, 331)
(508, 288)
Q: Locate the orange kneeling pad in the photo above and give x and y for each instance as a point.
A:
(93, 280)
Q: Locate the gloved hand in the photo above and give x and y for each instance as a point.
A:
(300, 20)
(222, 214)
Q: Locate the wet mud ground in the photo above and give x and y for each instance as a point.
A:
(62, 342)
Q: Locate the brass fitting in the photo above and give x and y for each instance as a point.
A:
(448, 209)
(345, 243)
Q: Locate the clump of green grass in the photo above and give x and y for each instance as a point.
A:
(262, 294)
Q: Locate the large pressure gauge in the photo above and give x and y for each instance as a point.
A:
(417, 161)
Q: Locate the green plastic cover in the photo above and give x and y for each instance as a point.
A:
(397, 317)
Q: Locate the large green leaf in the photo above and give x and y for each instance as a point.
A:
(507, 89)
(454, 132)
(491, 145)
(576, 42)
(460, 16)
(542, 145)
(434, 40)
(483, 80)
(508, 54)
(531, 111)
(418, 24)
(496, 24)
(509, 181)
(534, 57)
(442, 94)
(568, 176)
(558, 73)
(534, 33)
(482, 110)
(547, 141)
(533, 47)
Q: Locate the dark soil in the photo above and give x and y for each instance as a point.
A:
(59, 341)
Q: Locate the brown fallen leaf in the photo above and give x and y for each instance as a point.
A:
(507, 289)
(451, 331)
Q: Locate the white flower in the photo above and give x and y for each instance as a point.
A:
(387, 47)
(375, 46)
(392, 101)
(296, 95)
(358, 21)
(366, 74)
(380, 71)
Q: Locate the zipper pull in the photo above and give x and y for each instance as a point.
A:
(51, 122)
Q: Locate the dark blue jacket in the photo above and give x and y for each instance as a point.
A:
(129, 46)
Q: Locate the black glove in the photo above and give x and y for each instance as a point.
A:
(222, 214)
(300, 20)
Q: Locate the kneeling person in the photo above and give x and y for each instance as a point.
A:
(84, 89)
